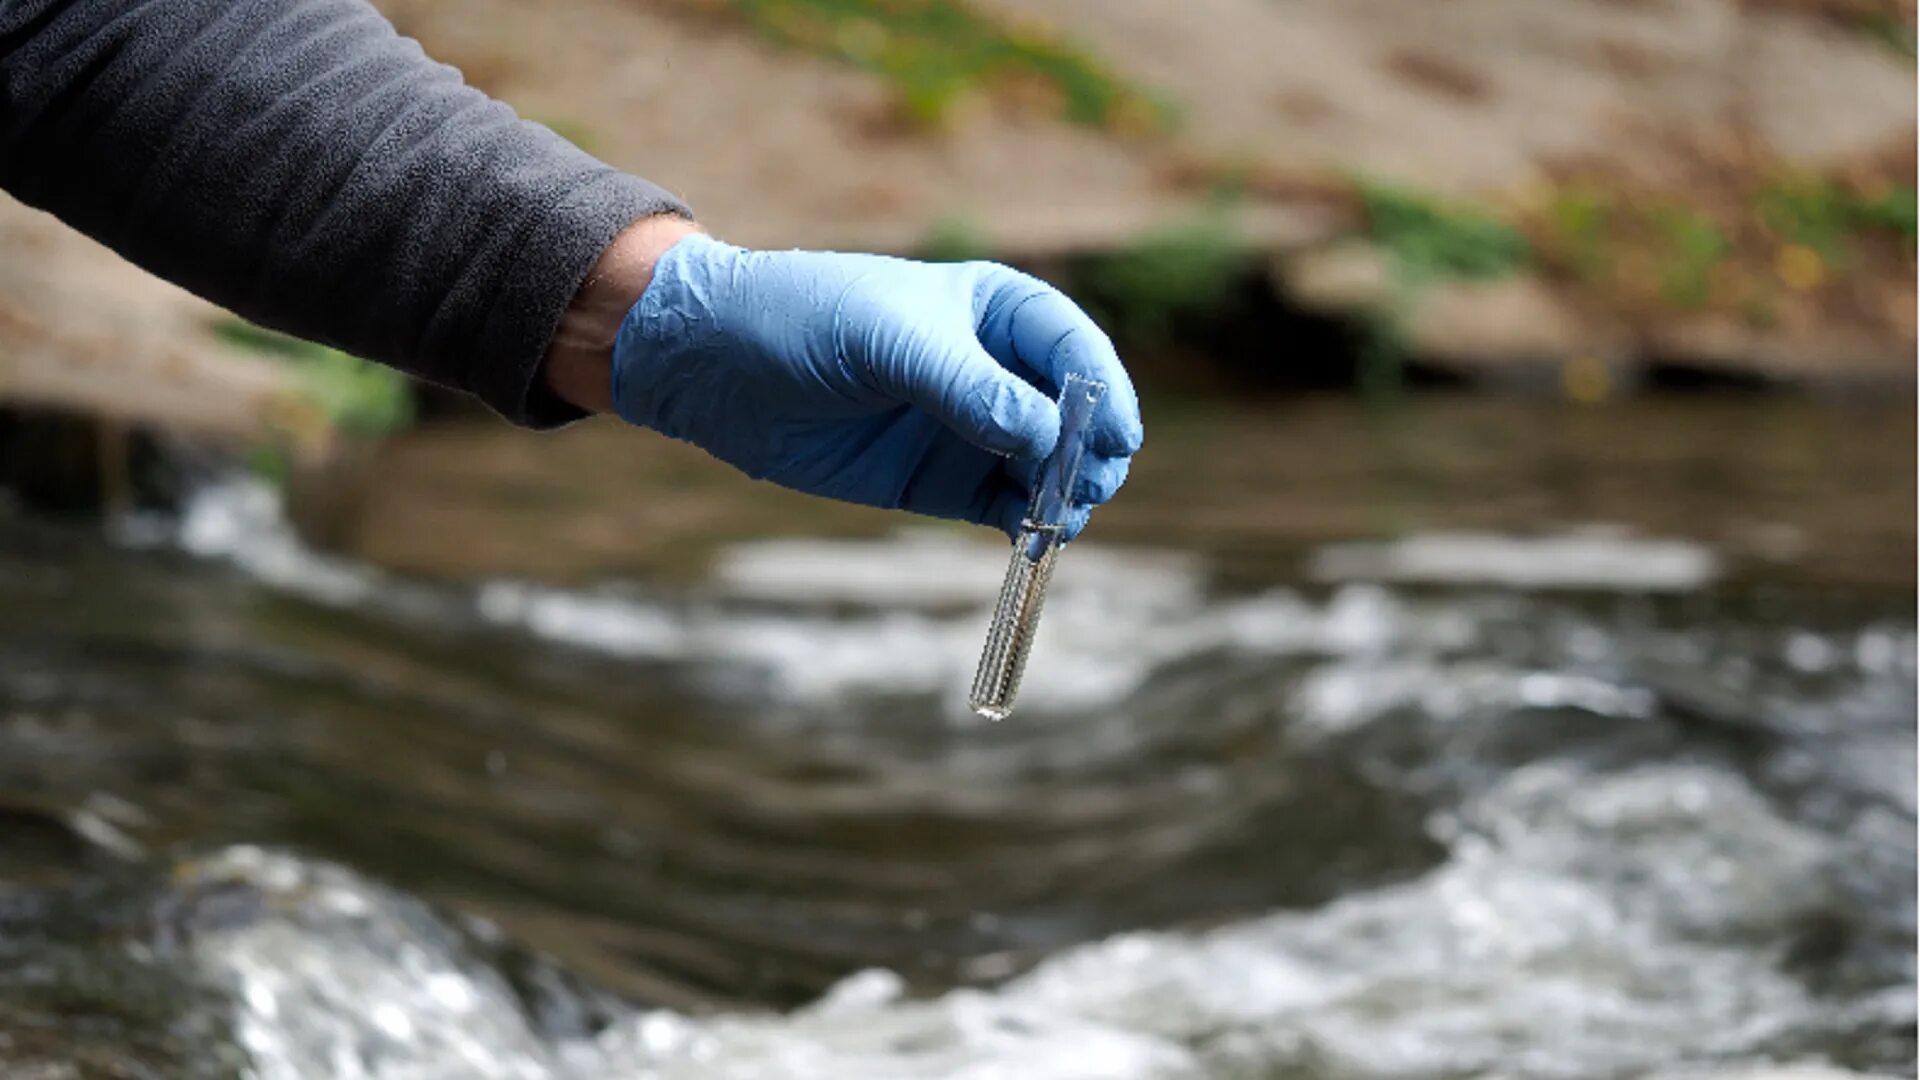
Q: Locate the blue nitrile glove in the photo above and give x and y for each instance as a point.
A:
(881, 381)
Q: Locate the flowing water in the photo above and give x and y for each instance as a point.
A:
(1585, 802)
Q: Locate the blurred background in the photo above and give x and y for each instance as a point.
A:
(1501, 662)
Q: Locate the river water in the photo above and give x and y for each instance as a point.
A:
(1413, 767)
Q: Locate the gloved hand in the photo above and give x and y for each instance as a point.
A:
(875, 380)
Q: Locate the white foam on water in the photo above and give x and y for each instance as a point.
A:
(920, 567)
(607, 623)
(1347, 693)
(1113, 620)
(821, 621)
(1584, 924)
(817, 623)
(1598, 559)
(240, 519)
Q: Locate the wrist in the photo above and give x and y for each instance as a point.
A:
(578, 367)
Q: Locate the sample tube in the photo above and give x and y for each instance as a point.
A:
(1017, 614)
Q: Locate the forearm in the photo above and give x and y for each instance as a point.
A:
(299, 162)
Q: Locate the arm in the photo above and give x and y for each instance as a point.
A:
(301, 163)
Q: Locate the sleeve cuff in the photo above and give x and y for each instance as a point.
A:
(557, 253)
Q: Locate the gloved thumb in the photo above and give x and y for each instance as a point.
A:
(984, 403)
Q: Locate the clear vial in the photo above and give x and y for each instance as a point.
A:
(1015, 619)
(1016, 616)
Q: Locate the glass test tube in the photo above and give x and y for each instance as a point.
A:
(1017, 614)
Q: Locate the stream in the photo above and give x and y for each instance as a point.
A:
(1596, 792)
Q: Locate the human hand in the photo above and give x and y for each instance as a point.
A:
(874, 380)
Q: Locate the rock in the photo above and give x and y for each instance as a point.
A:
(1722, 343)
(1479, 96)
(1346, 276)
(1514, 319)
(84, 332)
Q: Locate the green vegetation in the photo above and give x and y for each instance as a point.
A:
(1186, 268)
(936, 52)
(1429, 240)
(954, 238)
(270, 461)
(1639, 250)
(1381, 372)
(1691, 245)
(1890, 30)
(1762, 245)
(356, 397)
(1896, 210)
(1821, 214)
(1750, 243)
(1577, 218)
(1425, 240)
(1591, 233)
(1619, 244)
(1733, 247)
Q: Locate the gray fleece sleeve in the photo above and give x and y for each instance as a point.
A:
(301, 163)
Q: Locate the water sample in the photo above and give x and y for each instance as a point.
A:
(1016, 616)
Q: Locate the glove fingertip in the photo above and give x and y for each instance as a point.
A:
(1076, 521)
(1017, 420)
(1100, 479)
(1121, 439)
